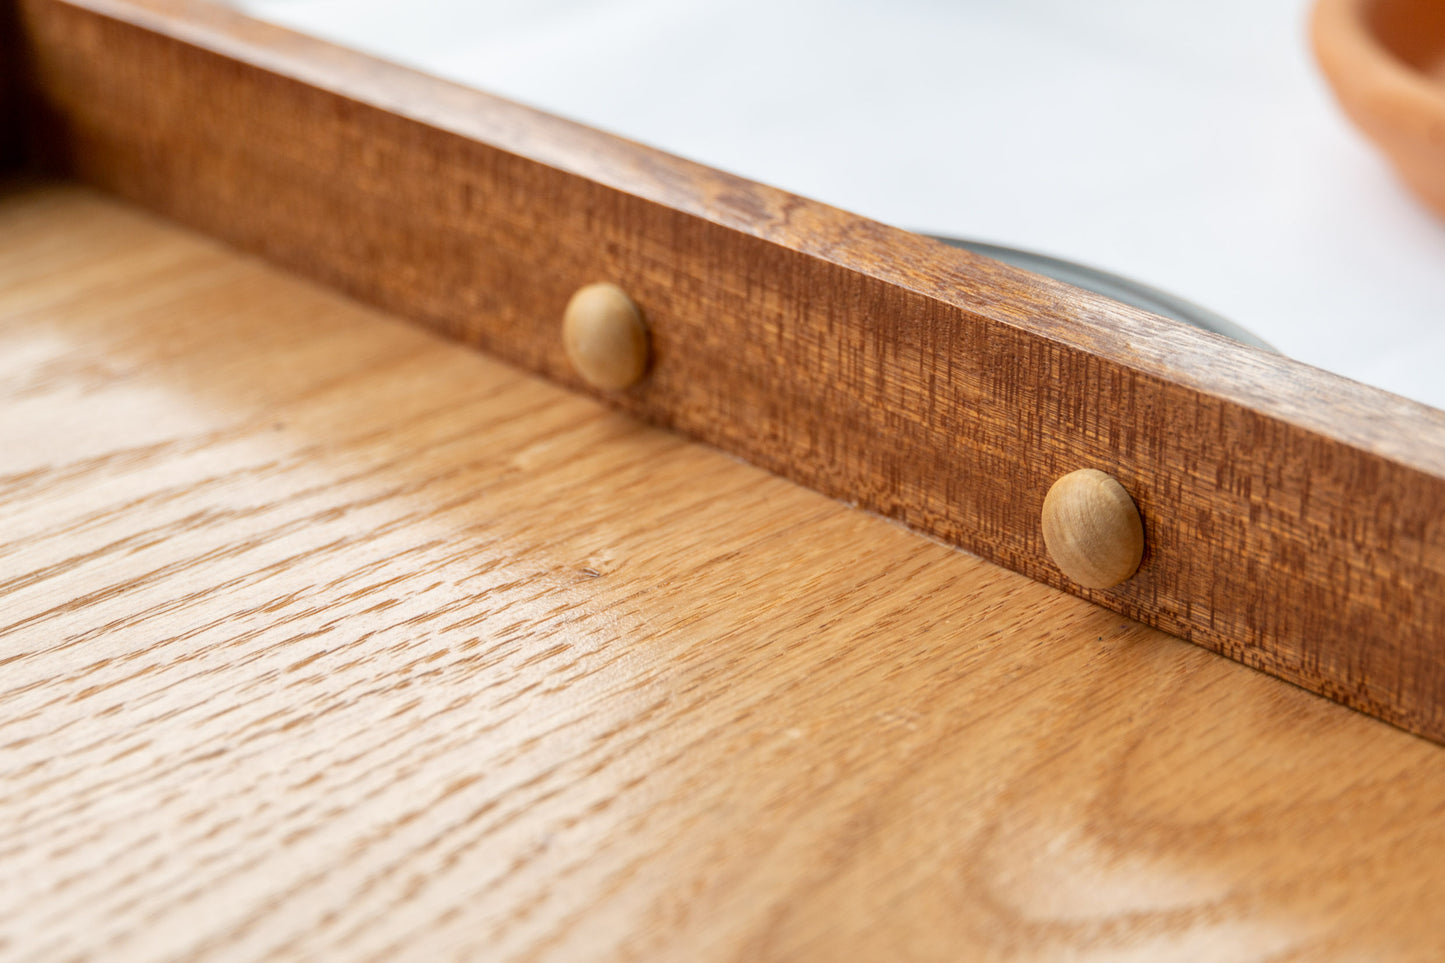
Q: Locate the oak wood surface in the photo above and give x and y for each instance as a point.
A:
(322, 637)
(1295, 520)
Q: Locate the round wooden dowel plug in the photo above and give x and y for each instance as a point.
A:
(604, 336)
(1092, 529)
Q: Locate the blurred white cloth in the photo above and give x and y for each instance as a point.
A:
(1190, 146)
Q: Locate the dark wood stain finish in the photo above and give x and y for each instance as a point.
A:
(1295, 520)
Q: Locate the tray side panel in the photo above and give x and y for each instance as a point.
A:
(1295, 520)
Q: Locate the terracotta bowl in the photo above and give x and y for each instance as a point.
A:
(1385, 60)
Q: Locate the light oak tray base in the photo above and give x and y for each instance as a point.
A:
(324, 635)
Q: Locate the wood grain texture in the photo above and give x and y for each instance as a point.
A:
(1296, 521)
(325, 638)
(1092, 529)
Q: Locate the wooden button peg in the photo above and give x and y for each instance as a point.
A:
(605, 338)
(1092, 529)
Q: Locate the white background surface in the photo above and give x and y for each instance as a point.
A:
(1192, 146)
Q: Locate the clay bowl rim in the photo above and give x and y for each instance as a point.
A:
(1362, 69)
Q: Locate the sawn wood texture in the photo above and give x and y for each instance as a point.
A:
(1295, 521)
(324, 638)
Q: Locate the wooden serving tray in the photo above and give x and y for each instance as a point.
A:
(1295, 520)
(326, 636)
